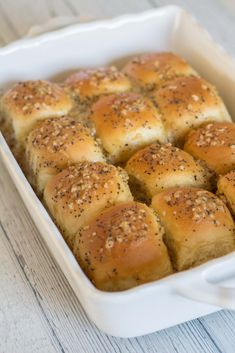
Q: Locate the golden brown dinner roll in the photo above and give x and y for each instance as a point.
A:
(76, 195)
(56, 143)
(213, 143)
(186, 103)
(123, 247)
(159, 167)
(91, 83)
(30, 101)
(149, 71)
(198, 225)
(226, 190)
(125, 122)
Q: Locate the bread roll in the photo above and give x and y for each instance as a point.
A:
(158, 167)
(91, 83)
(126, 122)
(30, 101)
(186, 103)
(123, 247)
(76, 195)
(149, 71)
(54, 144)
(198, 226)
(213, 143)
(226, 190)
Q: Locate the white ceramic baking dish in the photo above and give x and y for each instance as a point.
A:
(179, 297)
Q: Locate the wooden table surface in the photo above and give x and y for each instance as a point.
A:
(38, 309)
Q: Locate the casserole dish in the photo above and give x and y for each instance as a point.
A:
(179, 297)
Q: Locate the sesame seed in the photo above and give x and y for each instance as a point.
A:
(195, 97)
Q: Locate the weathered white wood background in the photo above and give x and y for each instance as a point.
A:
(38, 310)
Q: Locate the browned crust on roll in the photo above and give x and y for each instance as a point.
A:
(187, 103)
(56, 143)
(91, 83)
(215, 144)
(126, 122)
(27, 102)
(150, 71)
(198, 225)
(226, 190)
(77, 194)
(123, 247)
(158, 167)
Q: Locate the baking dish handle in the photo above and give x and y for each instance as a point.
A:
(200, 289)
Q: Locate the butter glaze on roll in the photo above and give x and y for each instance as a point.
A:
(187, 103)
(123, 248)
(91, 83)
(226, 190)
(149, 71)
(197, 224)
(54, 144)
(69, 137)
(215, 144)
(126, 122)
(76, 195)
(30, 101)
(158, 167)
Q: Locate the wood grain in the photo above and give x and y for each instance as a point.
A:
(38, 309)
(217, 16)
(20, 326)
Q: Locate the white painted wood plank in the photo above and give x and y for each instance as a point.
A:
(20, 327)
(7, 32)
(218, 16)
(59, 309)
(230, 4)
(104, 8)
(221, 328)
(31, 13)
(20, 16)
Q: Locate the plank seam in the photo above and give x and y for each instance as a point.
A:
(9, 22)
(209, 335)
(36, 294)
(71, 7)
(152, 3)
